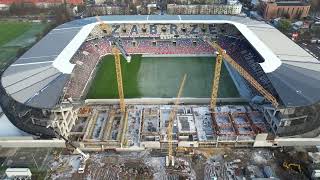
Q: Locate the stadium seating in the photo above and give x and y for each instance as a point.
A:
(91, 51)
(242, 52)
(238, 48)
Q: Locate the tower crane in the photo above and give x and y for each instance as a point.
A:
(221, 54)
(172, 115)
(103, 26)
(117, 61)
(216, 79)
(116, 49)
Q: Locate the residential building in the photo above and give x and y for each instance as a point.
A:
(232, 7)
(41, 3)
(95, 10)
(288, 9)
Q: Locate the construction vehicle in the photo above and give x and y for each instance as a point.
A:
(172, 116)
(292, 166)
(221, 54)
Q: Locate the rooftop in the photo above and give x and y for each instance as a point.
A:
(291, 3)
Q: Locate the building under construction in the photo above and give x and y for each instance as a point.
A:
(43, 91)
(145, 126)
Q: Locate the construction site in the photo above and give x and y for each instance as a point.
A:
(166, 137)
(186, 107)
(201, 163)
(135, 126)
(103, 127)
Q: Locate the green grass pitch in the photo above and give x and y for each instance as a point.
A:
(105, 82)
(11, 30)
(160, 77)
(15, 35)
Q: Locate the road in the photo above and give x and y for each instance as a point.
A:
(313, 49)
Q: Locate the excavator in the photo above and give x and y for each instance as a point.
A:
(292, 166)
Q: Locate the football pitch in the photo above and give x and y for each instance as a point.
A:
(15, 35)
(160, 77)
(11, 30)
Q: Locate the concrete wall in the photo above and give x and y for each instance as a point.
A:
(29, 142)
(188, 144)
(261, 141)
(163, 100)
(311, 124)
(151, 144)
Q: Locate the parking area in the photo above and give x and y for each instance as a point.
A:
(311, 48)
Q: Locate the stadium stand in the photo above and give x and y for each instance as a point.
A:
(29, 119)
(65, 58)
(241, 51)
(97, 48)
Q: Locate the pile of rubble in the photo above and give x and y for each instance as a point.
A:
(217, 168)
(64, 166)
(240, 165)
(181, 169)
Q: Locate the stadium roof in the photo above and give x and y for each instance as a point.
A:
(37, 78)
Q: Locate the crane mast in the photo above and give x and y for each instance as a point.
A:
(241, 71)
(117, 60)
(103, 26)
(216, 80)
(172, 116)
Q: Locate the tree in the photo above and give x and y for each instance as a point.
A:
(284, 25)
(13, 8)
(305, 36)
(315, 5)
(286, 15)
(81, 8)
(316, 31)
(60, 13)
(23, 8)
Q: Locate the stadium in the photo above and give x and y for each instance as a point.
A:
(73, 66)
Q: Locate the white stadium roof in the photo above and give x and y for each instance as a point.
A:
(37, 78)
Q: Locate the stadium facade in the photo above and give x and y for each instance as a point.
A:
(32, 87)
